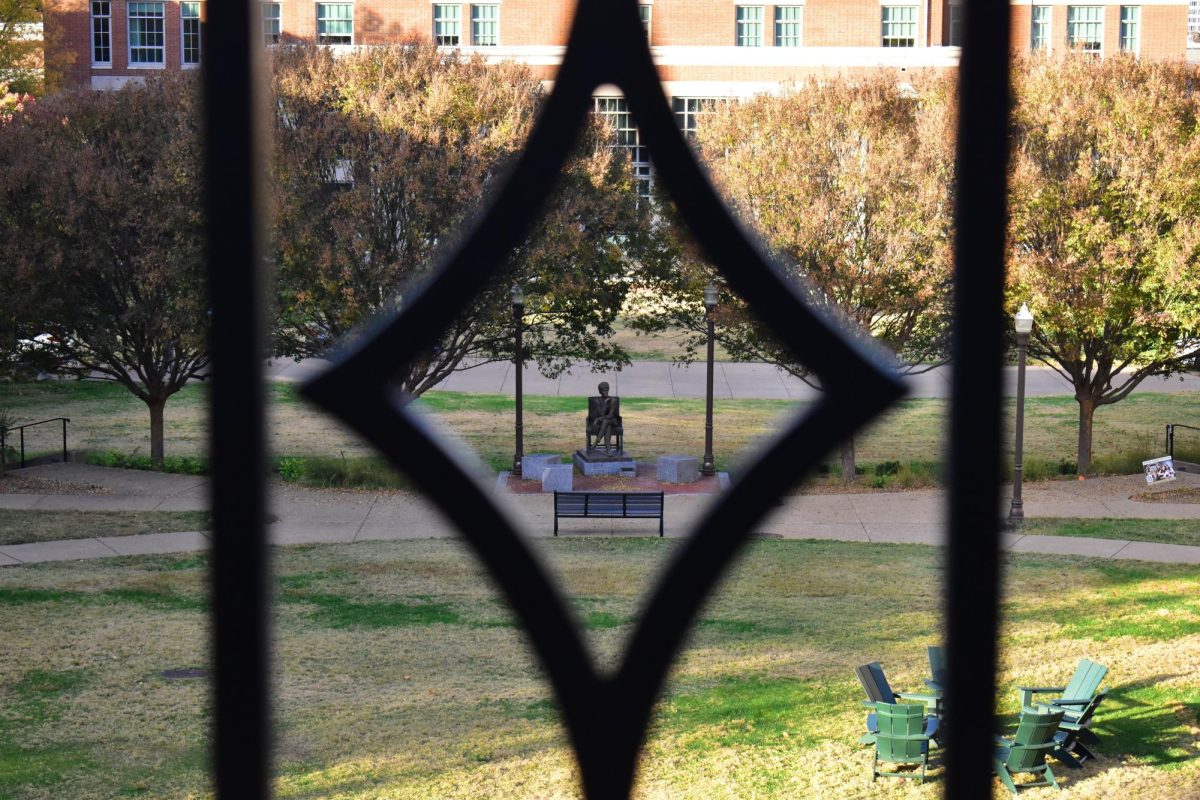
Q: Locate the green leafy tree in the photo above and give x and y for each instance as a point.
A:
(848, 183)
(380, 159)
(1105, 222)
(100, 237)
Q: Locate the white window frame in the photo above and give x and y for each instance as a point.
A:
(615, 111)
(688, 110)
(183, 33)
(748, 31)
(781, 24)
(275, 34)
(161, 47)
(1046, 41)
(885, 36)
(106, 33)
(1074, 24)
(438, 9)
(1133, 24)
(477, 22)
(320, 19)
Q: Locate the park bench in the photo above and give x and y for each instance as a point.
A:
(608, 505)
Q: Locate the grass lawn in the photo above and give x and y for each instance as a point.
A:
(1169, 531)
(400, 674)
(106, 417)
(19, 527)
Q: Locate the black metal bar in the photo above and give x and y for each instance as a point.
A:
(519, 452)
(3, 449)
(709, 466)
(973, 555)
(239, 560)
(1171, 441)
(39, 422)
(65, 421)
(1017, 508)
(22, 448)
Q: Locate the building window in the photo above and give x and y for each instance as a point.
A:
(485, 25)
(335, 23)
(749, 26)
(688, 111)
(1085, 28)
(644, 12)
(899, 26)
(270, 23)
(101, 33)
(1131, 23)
(189, 19)
(615, 112)
(447, 24)
(146, 34)
(787, 25)
(1040, 34)
(956, 18)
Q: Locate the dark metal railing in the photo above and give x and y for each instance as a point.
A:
(606, 715)
(1183, 466)
(21, 429)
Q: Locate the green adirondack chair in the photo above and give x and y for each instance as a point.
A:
(937, 669)
(901, 739)
(1075, 695)
(1027, 750)
(1069, 742)
(875, 684)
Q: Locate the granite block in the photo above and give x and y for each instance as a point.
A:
(677, 469)
(558, 478)
(533, 464)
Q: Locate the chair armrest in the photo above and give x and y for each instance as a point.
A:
(924, 698)
(1064, 702)
(1027, 692)
(868, 703)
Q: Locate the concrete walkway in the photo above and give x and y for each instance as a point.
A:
(305, 516)
(730, 380)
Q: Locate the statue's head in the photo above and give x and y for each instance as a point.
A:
(603, 387)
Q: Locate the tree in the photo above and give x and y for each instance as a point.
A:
(101, 237)
(848, 182)
(382, 156)
(1105, 222)
(20, 45)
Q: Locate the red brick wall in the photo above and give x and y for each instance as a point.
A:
(826, 23)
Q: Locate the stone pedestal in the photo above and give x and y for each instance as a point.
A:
(533, 464)
(558, 478)
(600, 463)
(677, 469)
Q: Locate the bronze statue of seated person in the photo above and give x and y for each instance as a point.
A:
(604, 422)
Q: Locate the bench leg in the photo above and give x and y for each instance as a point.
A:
(556, 524)
(660, 525)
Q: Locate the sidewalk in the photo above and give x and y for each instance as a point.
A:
(730, 380)
(306, 516)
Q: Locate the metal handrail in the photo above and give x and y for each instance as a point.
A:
(21, 429)
(1171, 436)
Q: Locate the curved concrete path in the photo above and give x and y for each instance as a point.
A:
(306, 516)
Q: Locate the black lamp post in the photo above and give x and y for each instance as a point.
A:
(518, 312)
(710, 305)
(1023, 324)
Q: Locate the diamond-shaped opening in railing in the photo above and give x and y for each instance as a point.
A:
(606, 713)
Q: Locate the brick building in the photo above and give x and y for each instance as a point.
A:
(704, 48)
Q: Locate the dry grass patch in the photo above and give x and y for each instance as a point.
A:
(21, 526)
(400, 673)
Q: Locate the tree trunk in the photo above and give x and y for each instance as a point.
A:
(848, 462)
(1087, 408)
(156, 429)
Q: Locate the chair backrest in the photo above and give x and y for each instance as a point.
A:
(874, 684)
(900, 733)
(1085, 681)
(937, 664)
(1034, 738)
